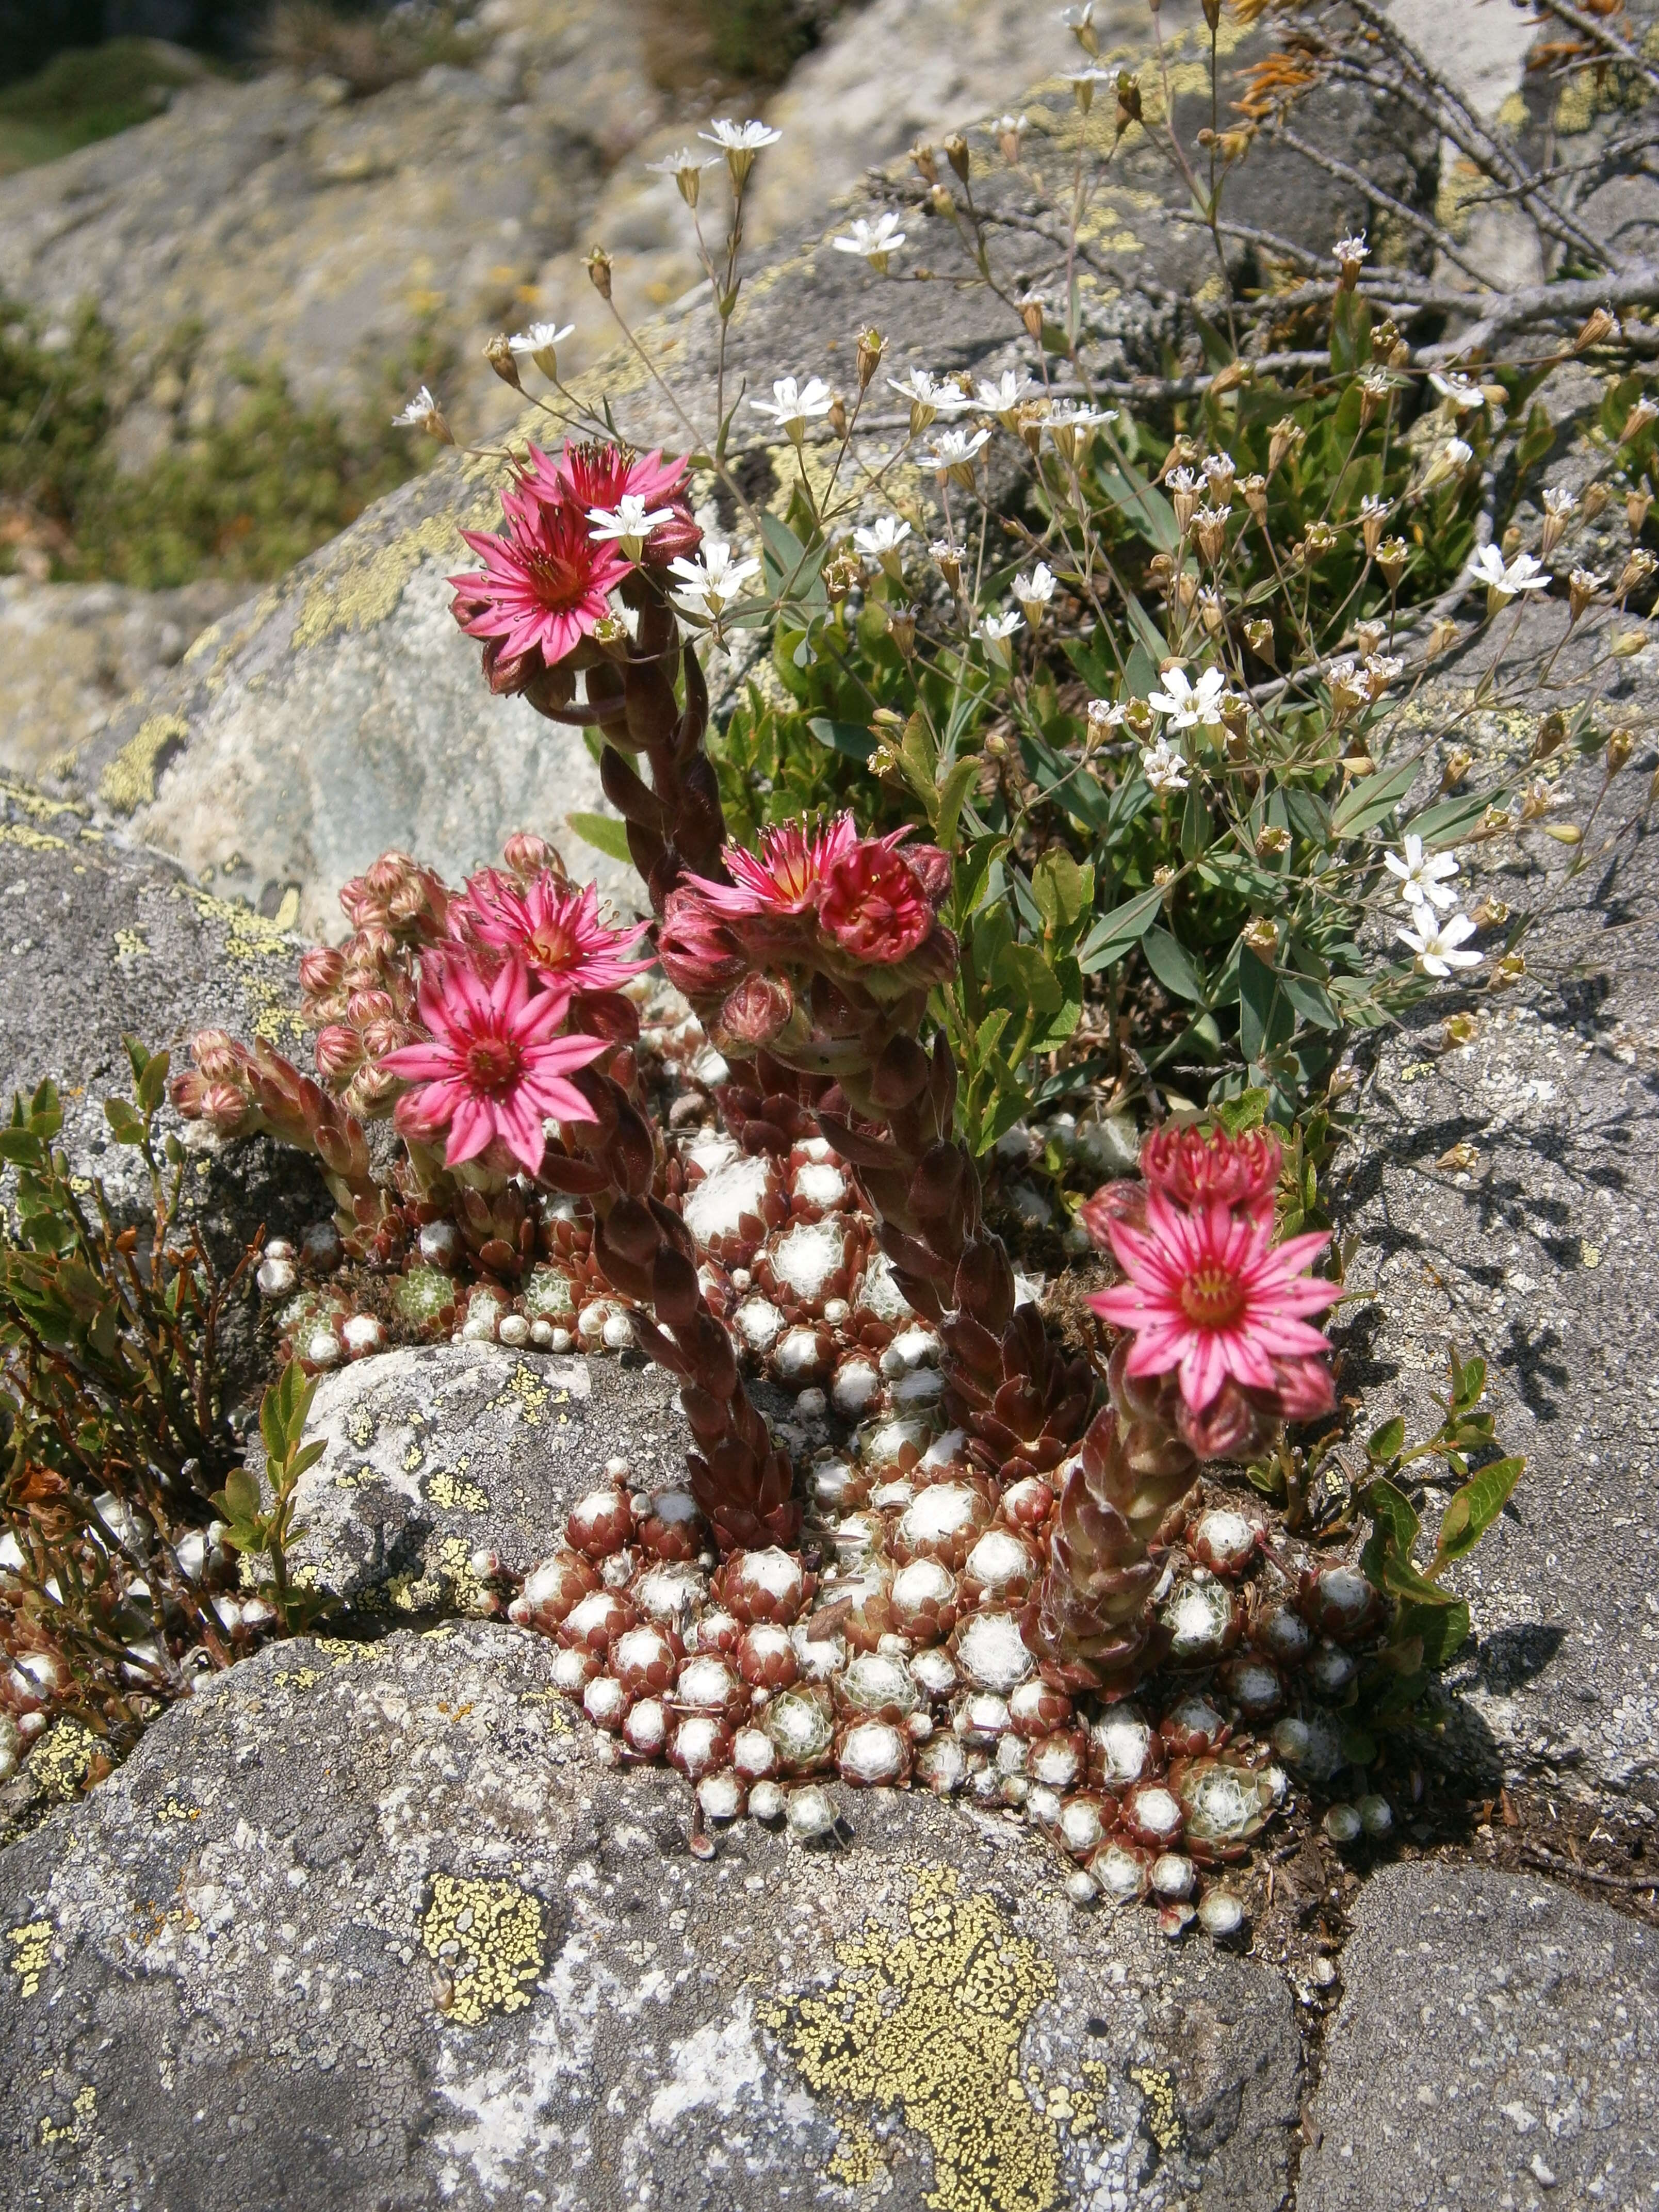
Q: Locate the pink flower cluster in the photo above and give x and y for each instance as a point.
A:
(509, 999)
(464, 1014)
(818, 900)
(548, 577)
(1211, 1301)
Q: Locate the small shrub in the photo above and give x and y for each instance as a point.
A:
(247, 498)
(112, 1434)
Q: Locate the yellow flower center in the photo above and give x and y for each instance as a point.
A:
(492, 1063)
(1212, 1297)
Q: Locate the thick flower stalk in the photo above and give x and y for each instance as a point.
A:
(813, 964)
(742, 1481)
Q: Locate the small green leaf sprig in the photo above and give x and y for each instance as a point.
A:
(259, 1531)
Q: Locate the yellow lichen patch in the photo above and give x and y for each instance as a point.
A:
(172, 1810)
(59, 1762)
(85, 2108)
(445, 1577)
(35, 804)
(32, 840)
(488, 1938)
(129, 781)
(252, 938)
(31, 1953)
(130, 944)
(454, 1493)
(858, 2159)
(360, 1427)
(1157, 2087)
(533, 1397)
(931, 2022)
(357, 591)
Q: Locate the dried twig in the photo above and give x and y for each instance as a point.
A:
(1535, 1855)
(1600, 35)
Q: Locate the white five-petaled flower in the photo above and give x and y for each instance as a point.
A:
(1461, 393)
(1002, 397)
(995, 627)
(928, 396)
(1106, 713)
(1560, 502)
(707, 584)
(1188, 704)
(953, 449)
(740, 137)
(1070, 425)
(884, 535)
(1078, 414)
(420, 414)
(1523, 574)
(1353, 248)
(1422, 876)
(628, 523)
(875, 240)
(793, 405)
(688, 161)
(1456, 454)
(686, 169)
(1437, 944)
(540, 337)
(1037, 589)
(739, 142)
(1161, 764)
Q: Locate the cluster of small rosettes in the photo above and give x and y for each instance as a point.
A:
(905, 1659)
(787, 1247)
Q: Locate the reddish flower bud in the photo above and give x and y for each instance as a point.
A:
(339, 1051)
(699, 954)
(1194, 1170)
(224, 1106)
(874, 903)
(673, 541)
(379, 1038)
(1114, 1201)
(219, 1057)
(527, 856)
(933, 869)
(758, 1010)
(320, 970)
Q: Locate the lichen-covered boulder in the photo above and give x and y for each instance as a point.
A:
(365, 1926)
(438, 1458)
(339, 714)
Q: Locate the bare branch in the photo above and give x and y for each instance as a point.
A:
(1603, 35)
(1374, 193)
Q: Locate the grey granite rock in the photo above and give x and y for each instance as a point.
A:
(433, 1453)
(1539, 1251)
(1497, 2046)
(366, 1927)
(99, 939)
(339, 713)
